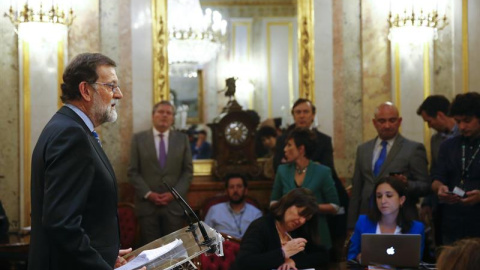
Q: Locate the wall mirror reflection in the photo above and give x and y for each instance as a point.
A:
(253, 41)
(187, 94)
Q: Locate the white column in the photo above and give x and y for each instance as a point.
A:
(42, 52)
(412, 71)
(142, 64)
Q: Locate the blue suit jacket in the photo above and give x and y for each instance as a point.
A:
(365, 225)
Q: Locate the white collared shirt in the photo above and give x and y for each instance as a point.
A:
(398, 230)
(378, 148)
(156, 138)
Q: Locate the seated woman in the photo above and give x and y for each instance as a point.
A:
(285, 238)
(301, 171)
(386, 216)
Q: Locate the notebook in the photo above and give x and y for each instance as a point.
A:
(397, 250)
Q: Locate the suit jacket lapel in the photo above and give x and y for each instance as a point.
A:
(151, 148)
(369, 155)
(102, 155)
(70, 113)
(173, 141)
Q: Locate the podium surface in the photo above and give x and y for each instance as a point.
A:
(193, 244)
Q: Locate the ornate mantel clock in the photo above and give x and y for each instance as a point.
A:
(233, 139)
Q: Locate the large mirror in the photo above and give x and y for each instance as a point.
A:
(263, 44)
(187, 94)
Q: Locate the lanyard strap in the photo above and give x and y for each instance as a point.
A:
(465, 169)
(238, 222)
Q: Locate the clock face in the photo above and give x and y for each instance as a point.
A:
(236, 133)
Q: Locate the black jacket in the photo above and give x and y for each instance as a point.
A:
(74, 199)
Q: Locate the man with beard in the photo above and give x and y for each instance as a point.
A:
(73, 188)
(388, 154)
(457, 176)
(233, 217)
(160, 155)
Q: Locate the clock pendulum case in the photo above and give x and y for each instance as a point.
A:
(233, 141)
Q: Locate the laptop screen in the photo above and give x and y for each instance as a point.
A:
(397, 250)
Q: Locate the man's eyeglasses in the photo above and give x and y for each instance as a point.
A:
(112, 86)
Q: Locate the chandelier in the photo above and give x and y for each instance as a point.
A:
(56, 11)
(194, 37)
(426, 14)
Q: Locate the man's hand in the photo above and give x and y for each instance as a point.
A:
(401, 177)
(294, 246)
(155, 198)
(160, 198)
(446, 197)
(288, 264)
(121, 261)
(473, 197)
(165, 198)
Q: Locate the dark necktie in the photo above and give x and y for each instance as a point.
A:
(381, 159)
(162, 153)
(95, 135)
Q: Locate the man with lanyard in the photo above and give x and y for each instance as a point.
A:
(457, 176)
(233, 217)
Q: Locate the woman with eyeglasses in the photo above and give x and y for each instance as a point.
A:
(286, 238)
(386, 215)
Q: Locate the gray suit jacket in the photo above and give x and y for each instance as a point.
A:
(405, 156)
(146, 175)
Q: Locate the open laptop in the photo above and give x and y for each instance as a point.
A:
(397, 250)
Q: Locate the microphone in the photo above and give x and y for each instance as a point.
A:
(191, 224)
(207, 240)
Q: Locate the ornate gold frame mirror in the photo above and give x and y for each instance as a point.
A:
(161, 86)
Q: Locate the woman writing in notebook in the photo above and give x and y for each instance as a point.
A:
(385, 215)
(286, 238)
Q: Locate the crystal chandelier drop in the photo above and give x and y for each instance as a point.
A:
(428, 15)
(56, 12)
(194, 37)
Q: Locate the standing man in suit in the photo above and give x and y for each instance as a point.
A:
(303, 112)
(388, 154)
(434, 111)
(74, 189)
(160, 155)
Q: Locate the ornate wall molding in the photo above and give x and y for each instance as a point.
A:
(305, 49)
(161, 89)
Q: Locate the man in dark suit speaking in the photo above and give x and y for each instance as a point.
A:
(159, 155)
(74, 189)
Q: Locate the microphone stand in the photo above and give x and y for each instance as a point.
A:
(207, 241)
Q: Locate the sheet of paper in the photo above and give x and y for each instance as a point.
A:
(150, 255)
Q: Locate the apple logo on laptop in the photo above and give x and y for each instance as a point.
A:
(390, 251)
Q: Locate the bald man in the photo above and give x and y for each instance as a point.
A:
(388, 154)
